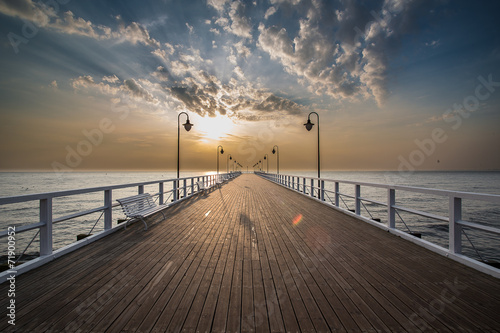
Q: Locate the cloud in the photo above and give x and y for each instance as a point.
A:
(84, 81)
(233, 17)
(269, 12)
(237, 70)
(136, 33)
(289, 2)
(112, 78)
(204, 94)
(434, 43)
(217, 4)
(138, 91)
(142, 90)
(27, 10)
(274, 103)
(242, 49)
(162, 74)
(240, 22)
(48, 17)
(70, 25)
(342, 49)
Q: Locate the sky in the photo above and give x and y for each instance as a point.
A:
(395, 85)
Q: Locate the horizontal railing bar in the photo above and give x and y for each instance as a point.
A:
(346, 195)
(373, 201)
(473, 225)
(83, 213)
(418, 212)
(23, 228)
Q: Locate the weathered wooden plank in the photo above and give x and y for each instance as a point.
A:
(205, 320)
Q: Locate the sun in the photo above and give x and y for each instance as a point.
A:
(213, 128)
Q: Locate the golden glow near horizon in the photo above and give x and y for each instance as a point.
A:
(212, 128)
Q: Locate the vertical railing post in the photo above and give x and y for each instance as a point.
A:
(357, 195)
(337, 195)
(175, 189)
(455, 230)
(141, 189)
(108, 211)
(184, 190)
(322, 191)
(160, 193)
(192, 186)
(304, 185)
(46, 230)
(312, 187)
(391, 211)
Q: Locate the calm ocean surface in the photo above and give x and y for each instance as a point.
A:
(21, 183)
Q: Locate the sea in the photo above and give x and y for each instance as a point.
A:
(476, 244)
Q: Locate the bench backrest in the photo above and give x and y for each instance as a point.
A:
(136, 203)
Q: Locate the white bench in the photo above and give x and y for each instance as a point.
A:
(222, 179)
(201, 186)
(140, 206)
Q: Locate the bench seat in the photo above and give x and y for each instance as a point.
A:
(140, 206)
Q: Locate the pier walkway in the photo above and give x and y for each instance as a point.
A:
(253, 256)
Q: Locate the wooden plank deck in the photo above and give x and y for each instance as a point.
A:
(233, 260)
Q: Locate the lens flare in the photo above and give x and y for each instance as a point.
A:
(296, 220)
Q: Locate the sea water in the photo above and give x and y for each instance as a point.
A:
(484, 245)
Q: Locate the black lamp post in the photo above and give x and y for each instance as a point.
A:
(229, 157)
(309, 125)
(187, 126)
(277, 151)
(221, 150)
(266, 158)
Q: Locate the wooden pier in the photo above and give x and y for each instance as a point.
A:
(253, 256)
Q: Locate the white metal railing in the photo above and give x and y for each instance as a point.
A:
(315, 187)
(178, 189)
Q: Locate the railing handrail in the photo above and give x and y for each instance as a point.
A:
(454, 219)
